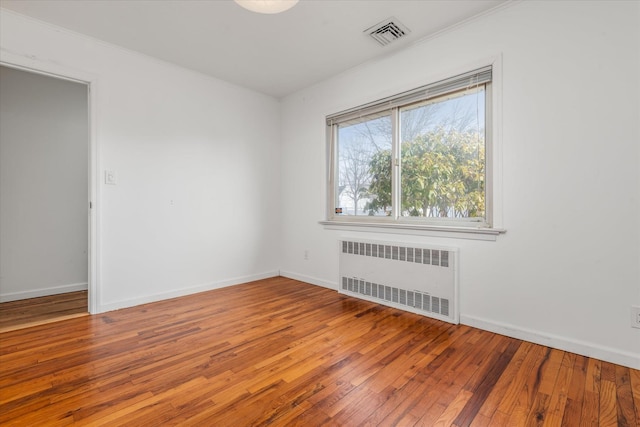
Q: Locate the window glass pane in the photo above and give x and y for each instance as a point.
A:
(443, 156)
(364, 167)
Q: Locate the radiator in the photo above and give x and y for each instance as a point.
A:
(422, 280)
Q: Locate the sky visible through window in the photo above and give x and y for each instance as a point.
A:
(362, 144)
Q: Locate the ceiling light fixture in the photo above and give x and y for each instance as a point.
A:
(267, 6)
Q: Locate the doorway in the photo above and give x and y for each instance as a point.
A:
(44, 194)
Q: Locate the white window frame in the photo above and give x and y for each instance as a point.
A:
(487, 228)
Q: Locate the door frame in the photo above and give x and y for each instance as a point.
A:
(51, 69)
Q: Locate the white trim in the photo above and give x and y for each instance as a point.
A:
(494, 191)
(488, 234)
(311, 280)
(595, 351)
(495, 150)
(47, 67)
(583, 348)
(185, 291)
(465, 22)
(43, 292)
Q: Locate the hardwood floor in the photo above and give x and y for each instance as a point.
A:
(36, 311)
(284, 353)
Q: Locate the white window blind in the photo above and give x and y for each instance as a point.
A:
(462, 81)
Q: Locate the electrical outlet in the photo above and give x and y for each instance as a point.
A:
(635, 316)
(306, 254)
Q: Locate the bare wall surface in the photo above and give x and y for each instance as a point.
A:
(197, 161)
(213, 179)
(566, 272)
(43, 185)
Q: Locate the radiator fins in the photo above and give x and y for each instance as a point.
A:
(398, 253)
(417, 279)
(415, 299)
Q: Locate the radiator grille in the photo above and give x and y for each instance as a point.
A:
(398, 253)
(415, 299)
(418, 279)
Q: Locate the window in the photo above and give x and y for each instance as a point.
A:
(419, 157)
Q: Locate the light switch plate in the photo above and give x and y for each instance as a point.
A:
(110, 177)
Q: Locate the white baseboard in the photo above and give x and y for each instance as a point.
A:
(595, 351)
(183, 292)
(43, 292)
(309, 279)
(607, 354)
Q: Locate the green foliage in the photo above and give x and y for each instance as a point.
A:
(442, 176)
(380, 187)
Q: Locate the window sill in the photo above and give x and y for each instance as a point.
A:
(488, 234)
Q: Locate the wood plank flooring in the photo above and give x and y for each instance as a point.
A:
(36, 311)
(284, 353)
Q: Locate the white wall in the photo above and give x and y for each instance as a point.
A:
(566, 272)
(197, 160)
(44, 152)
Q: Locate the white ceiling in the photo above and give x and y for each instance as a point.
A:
(273, 54)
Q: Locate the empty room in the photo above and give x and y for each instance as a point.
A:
(319, 212)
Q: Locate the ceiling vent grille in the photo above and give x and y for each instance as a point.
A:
(387, 31)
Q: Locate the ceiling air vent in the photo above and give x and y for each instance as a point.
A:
(387, 31)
